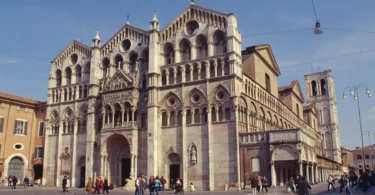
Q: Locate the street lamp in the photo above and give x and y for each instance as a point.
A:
(318, 29)
(354, 92)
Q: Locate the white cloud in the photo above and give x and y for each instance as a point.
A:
(370, 114)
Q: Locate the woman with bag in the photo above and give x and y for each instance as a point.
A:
(89, 186)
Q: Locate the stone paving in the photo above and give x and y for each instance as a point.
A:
(319, 189)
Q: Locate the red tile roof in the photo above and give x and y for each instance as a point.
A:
(18, 98)
(290, 86)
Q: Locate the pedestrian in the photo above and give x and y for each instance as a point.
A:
(151, 185)
(10, 178)
(157, 185)
(143, 184)
(163, 182)
(264, 183)
(254, 184)
(89, 186)
(303, 186)
(67, 184)
(259, 183)
(64, 181)
(330, 182)
(138, 186)
(97, 186)
(291, 184)
(105, 185)
(14, 181)
(26, 181)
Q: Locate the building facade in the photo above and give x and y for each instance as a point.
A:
(363, 162)
(182, 101)
(346, 159)
(21, 136)
(320, 90)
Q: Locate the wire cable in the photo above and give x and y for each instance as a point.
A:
(349, 30)
(23, 62)
(329, 58)
(312, 2)
(278, 32)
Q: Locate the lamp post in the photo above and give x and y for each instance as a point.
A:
(354, 92)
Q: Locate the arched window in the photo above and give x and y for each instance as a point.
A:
(314, 90)
(201, 46)
(220, 42)
(118, 61)
(144, 60)
(133, 62)
(78, 73)
(268, 82)
(105, 67)
(367, 156)
(58, 78)
(168, 53)
(68, 76)
(323, 87)
(185, 50)
(86, 72)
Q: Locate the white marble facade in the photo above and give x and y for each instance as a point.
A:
(153, 102)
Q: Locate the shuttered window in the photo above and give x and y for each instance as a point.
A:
(255, 164)
(1, 124)
(20, 127)
(41, 129)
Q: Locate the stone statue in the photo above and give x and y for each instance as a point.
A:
(193, 153)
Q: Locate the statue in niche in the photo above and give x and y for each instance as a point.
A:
(65, 161)
(192, 151)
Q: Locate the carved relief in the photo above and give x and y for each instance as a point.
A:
(192, 151)
(285, 152)
(118, 81)
(65, 161)
(283, 136)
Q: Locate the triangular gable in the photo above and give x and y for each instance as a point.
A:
(74, 46)
(297, 90)
(266, 54)
(193, 12)
(118, 81)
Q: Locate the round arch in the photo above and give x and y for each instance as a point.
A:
(22, 158)
(285, 152)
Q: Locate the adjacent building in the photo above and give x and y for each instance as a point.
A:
(363, 158)
(346, 160)
(182, 101)
(21, 136)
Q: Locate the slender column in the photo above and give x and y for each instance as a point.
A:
(133, 115)
(113, 119)
(222, 67)
(175, 119)
(184, 154)
(217, 114)
(210, 155)
(313, 174)
(74, 154)
(207, 64)
(135, 165)
(183, 79)
(215, 65)
(300, 169)
(247, 114)
(307, 173)
(122, 117)
(199, 71)
(281, 176)
(132, 173)
(273, 174)
(286, 175)
(191, 68)
(193, 117)
(175, 75)
(128, 117)
(101, 165)
(168, 122)
(167, 76)
(200, 116)
(59, 150)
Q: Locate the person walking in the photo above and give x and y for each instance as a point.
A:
(67, 184)
(14, 181)
(254, 184)
(264, 183)
(64, 181)
(330, 183)
(163, 182)
(26, 181)
(157, 185)
(10, 178)
(143, 184)
(291, 184)
(303, 186)
(97, 186)
(151, 185)
(89, 186)
(259, 183)
(138, 186)
(105, 185)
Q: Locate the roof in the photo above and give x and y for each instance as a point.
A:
(17, 98)
(366, 147)
(309, 107)
(292, 86)
(319, 73)
(272, 64)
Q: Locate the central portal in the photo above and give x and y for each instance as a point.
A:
(117, 164)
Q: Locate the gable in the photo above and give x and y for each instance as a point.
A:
(74, 47)
(266, 54)
(119, 81)
(298, 92)
(194, 12)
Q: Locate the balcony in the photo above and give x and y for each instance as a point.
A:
(123, 125)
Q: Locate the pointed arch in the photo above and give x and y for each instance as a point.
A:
(201, 45)
(171, 100)
(220, 42)
(195, 96)
(185, 50)
(86, 71)
(215, 91)
(58, 75)
(68, 112)
(54, 115)
(78, 73)
(168, 53)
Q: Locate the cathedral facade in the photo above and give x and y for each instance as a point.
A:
(183, 101)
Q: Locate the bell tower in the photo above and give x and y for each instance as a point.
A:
(320, 90)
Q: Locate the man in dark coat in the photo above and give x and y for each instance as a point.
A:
(303, 186)
(14, 181)
(64, 182)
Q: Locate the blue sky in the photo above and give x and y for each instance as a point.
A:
(36, 31)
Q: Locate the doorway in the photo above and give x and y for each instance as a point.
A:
(16, 168)
(38, 171)
(125, 170)
(174, 172)
(82, 177)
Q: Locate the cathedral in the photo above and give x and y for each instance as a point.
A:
(183, 102)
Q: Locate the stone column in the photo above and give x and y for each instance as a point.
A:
(183, 79)
(307, 172)
(215, 65)
(300, 168)
(135, 166)
(74, 154)
(207, 64)
(128, 117)
(211, 182)
(312, 174)
(59, 151)
(166, 77)
(281, 176)
(199, 71)
(133, 116)
(132, 173)
(168, 121)
(222, 67)
(113, 118)
(273, 174)
(122, 116)
(191, 68)
(175, 75)
(184, 145)
(217, 114)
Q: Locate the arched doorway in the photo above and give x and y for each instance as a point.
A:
(38, 171)
(286, 159)
(15, 168)
(118, 164)
(174, 167)
(82, 176)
